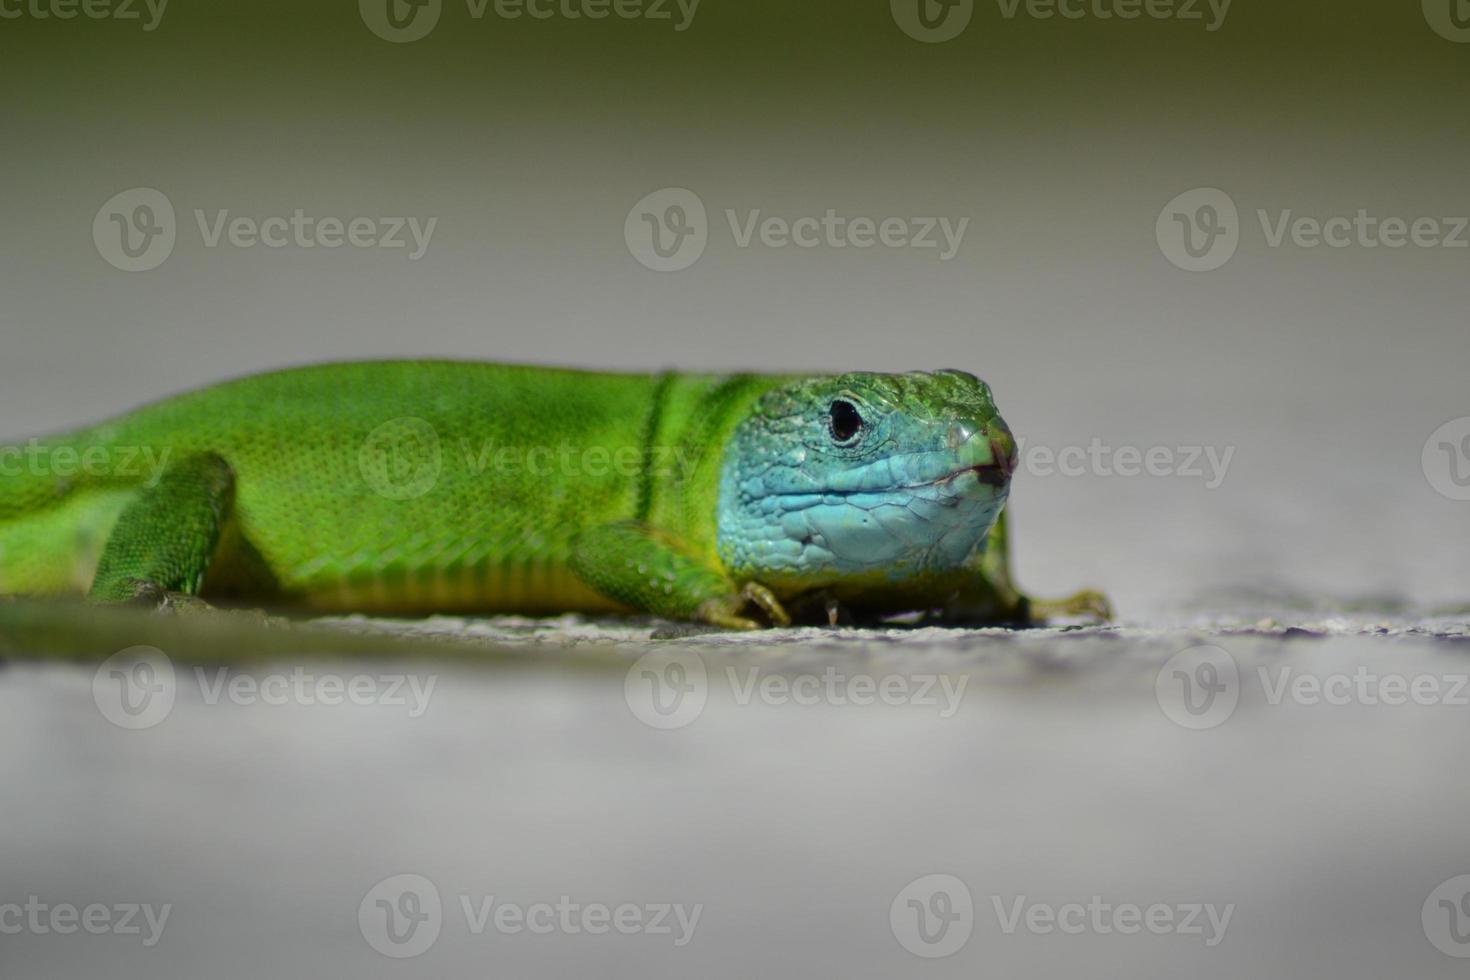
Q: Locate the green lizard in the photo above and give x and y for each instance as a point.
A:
(408, 487)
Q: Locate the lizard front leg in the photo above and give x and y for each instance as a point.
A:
(989, 594)
(646, 570)
(164, 539)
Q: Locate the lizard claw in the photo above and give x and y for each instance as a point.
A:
(725, 612)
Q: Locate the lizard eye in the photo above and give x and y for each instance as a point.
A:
(844, 421)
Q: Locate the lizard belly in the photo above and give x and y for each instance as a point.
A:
(535, 586)
(509, 581)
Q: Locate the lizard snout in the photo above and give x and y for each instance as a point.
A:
(988, 448)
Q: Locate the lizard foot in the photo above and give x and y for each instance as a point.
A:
(726, 612)
(165, 602)
(1086, 604)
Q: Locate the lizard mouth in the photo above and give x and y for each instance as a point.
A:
(993, 474)
(996, 473)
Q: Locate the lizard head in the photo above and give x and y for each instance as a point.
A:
(863, 476)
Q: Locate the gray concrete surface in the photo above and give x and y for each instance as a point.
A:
(1049, 768)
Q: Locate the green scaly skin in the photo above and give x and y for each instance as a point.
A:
(409, 487)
